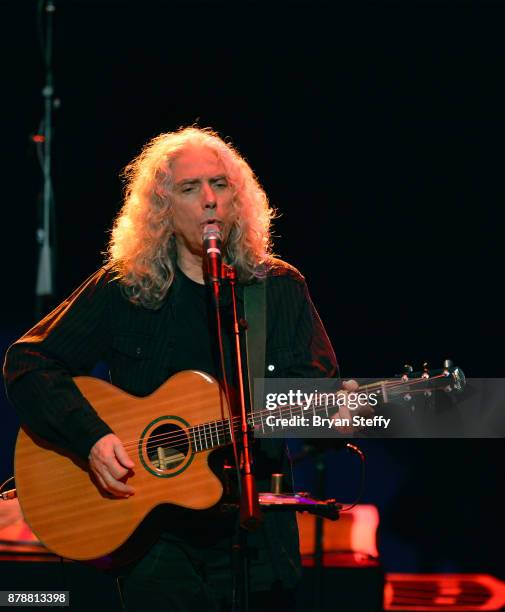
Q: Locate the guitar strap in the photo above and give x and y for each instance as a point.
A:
(255, 336)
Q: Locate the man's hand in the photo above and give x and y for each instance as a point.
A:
(110, 463)
(344, 412)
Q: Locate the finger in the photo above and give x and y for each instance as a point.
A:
(109, 473)
(350, 385)
(122, 456)
(108, 465)
(115, 469)
(118, 488)
(101, 481)
(110, 489)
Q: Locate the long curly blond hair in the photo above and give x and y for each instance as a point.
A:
(142, 249)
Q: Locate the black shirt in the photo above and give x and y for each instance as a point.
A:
(143, 347)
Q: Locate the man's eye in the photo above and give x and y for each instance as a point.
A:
(188, 188)
(221, 184)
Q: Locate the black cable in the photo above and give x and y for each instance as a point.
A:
(5, 482)
(120, 592)
(290, 463)
(64, 575)
(361, 455)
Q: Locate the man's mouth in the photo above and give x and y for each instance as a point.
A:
(212, 220)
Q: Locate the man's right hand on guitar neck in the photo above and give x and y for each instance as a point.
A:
(110, 463)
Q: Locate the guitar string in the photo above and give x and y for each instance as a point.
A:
(223, 424)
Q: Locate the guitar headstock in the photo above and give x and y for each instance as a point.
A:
(449, 377)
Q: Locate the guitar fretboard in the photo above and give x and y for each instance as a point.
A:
(210, 435)
(214, 434)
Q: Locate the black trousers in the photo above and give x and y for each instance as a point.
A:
(177, 577)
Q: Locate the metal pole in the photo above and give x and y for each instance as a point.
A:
(45, 273)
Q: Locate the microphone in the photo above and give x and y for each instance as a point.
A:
(212, 240)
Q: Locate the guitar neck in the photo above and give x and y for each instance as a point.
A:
(215, 434)
(372, 394)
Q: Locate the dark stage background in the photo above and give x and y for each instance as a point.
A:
(377, 128)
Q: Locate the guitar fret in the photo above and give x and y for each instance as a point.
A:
(207, 435)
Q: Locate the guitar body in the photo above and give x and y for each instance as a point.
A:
(56, 491)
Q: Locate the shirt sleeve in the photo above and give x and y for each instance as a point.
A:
(39, 367)
(297, 343)
(313, 354)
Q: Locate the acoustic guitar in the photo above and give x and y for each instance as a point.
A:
(169, 436)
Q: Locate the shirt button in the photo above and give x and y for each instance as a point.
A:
(271, 368)
(138, 350)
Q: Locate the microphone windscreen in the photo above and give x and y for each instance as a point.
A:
(211, 230)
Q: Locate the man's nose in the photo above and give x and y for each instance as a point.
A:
(209, 197)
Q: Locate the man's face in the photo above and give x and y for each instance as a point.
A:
(201, 194)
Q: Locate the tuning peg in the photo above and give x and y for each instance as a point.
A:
(407, 369)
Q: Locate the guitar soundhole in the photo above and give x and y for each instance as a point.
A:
(167, 447)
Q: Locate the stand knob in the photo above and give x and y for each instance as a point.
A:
(276, 483)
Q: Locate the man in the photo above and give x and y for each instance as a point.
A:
(148, 315)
